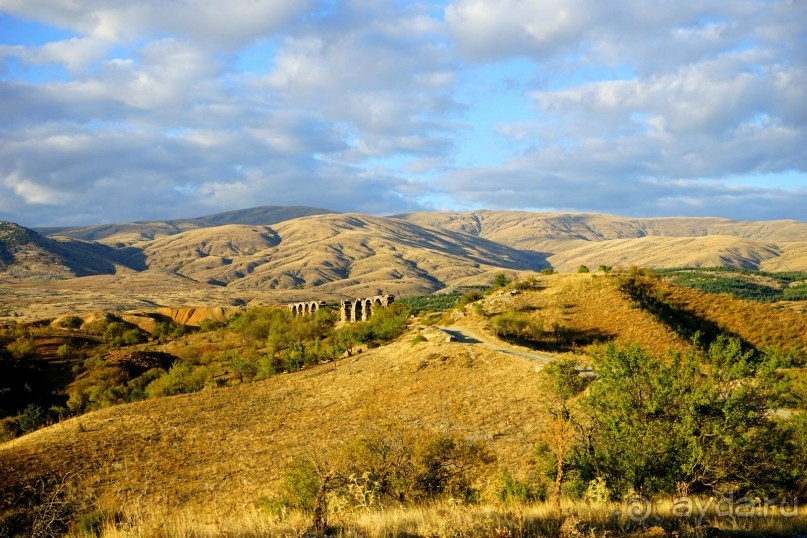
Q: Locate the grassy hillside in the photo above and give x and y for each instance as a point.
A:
(204, 460)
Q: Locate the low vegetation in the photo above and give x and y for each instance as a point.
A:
(629, 440)
(123, 366)
(743, 284)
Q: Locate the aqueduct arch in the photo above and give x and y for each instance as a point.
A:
(350, 310)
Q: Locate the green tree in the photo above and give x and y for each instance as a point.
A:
(694, 421)
(582, 269)
(500, 280)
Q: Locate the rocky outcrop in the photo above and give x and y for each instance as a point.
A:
(193, 317)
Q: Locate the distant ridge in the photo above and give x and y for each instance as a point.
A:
(132, 232)
(25, 253)
(276, 254)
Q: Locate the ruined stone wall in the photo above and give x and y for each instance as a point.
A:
(305, 308)
(362, 309)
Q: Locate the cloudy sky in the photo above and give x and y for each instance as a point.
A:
(157, 109)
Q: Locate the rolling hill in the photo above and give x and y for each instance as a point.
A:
(275, 254)
(135, 232)
(26, 254)
(198, 459)
(348, 254)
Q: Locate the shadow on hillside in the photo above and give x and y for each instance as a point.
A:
(686, 324)
(132, 257)
(461, 337)
(561, 339)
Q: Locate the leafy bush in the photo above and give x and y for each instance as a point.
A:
(31, 418)
(500, 280)
(582, 269)
(181, 378)
(701, 421)
(387, 465)
(120, 333)
(510, 490)
(22, 348)
(517, 325)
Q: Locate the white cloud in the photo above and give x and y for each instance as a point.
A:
(623, 107)
(227, 23)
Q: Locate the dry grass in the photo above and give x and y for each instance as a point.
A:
(198, 464)
(229, 446)
(455, 520)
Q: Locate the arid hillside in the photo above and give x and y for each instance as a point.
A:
(571, 239)
(271, 255)
(25, 254)
(349, 254)
(135, 232)
(222, 450)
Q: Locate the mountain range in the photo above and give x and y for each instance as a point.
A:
(291, 252)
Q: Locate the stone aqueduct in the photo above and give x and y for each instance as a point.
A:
(350, 310)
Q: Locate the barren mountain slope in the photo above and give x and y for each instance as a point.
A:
(552, 232)
(710, 251)
(135, 232)
(346, 254)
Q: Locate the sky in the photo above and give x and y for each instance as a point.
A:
(160, 109)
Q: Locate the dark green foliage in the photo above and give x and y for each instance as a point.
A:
(796, 292)
(500, 280)
(701, 422)
(169, 330)
(742, 283)
(437, 302)
(582, 269)
(562, 379)
(31, 418)
(384, 325)
(72, 322)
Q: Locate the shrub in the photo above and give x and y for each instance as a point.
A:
(181, 378)
(31, 418)
(71, 322)
(510, 490)
(64, 351)
(22, 348)
(517, 325)
(470, 296)
(500, 280)
(582, 269)
(547, 271)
